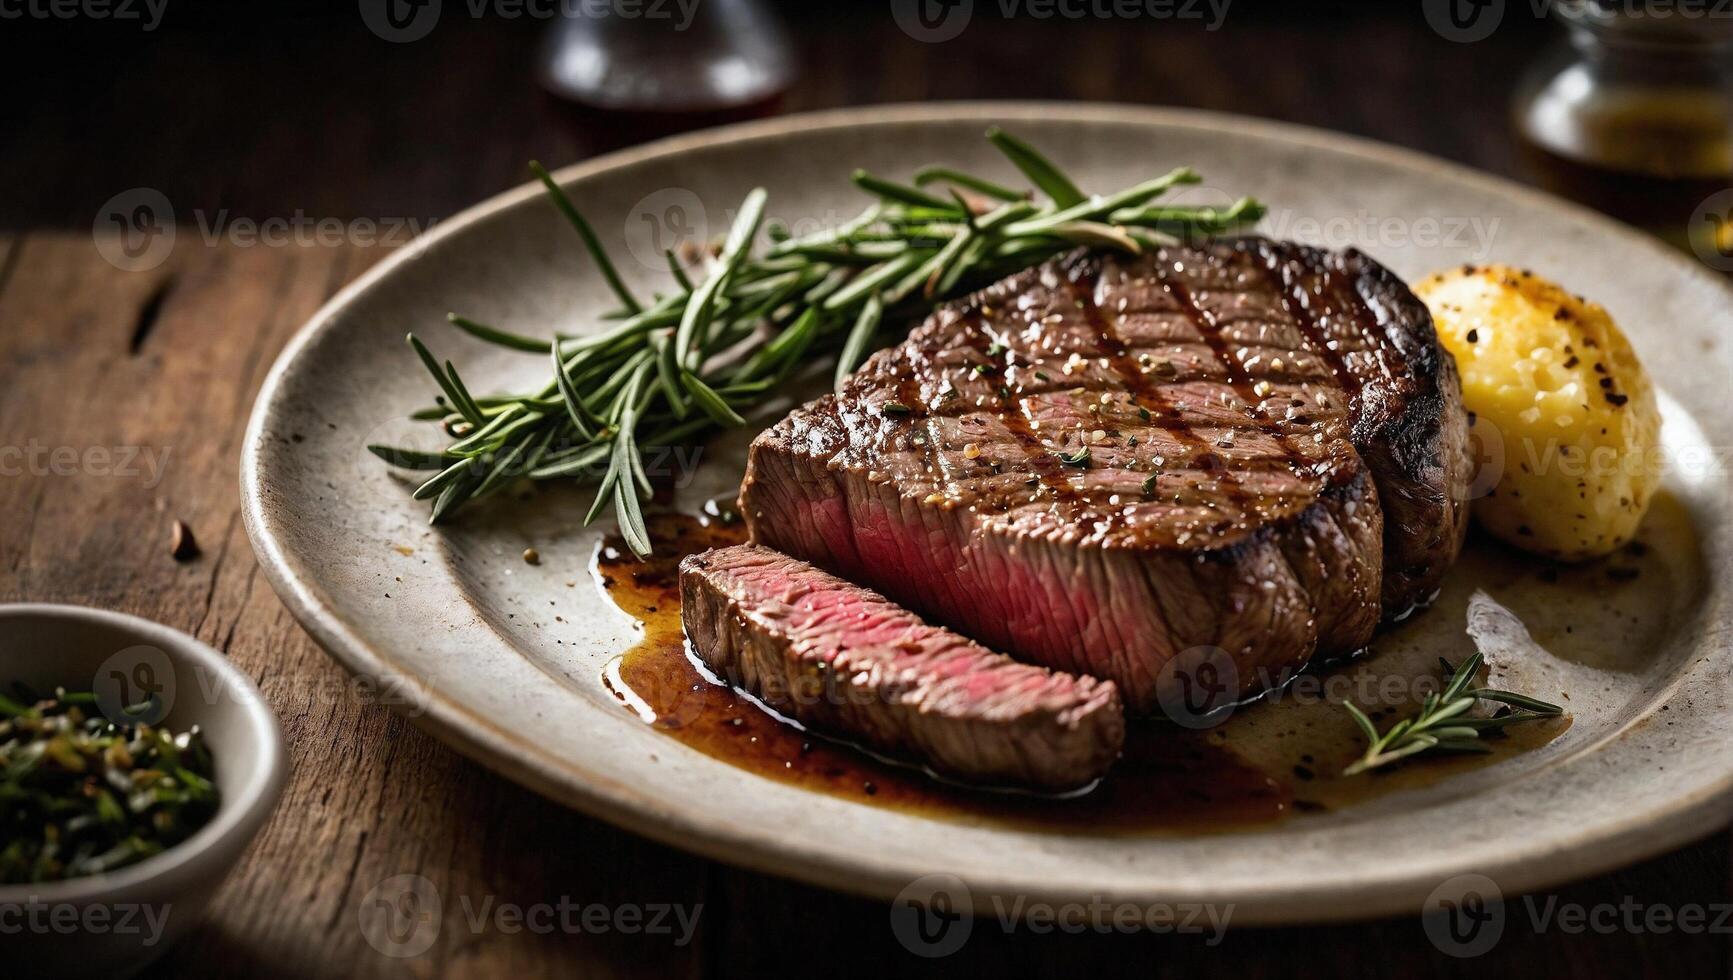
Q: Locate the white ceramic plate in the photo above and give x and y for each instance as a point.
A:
(504, 660)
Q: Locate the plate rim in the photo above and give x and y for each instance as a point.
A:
(1523, 868)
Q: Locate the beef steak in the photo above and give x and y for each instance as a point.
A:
(843, 659)
(1098, 464)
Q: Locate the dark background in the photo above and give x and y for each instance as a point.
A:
(269, 109)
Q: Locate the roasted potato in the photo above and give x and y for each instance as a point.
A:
(1563, 413)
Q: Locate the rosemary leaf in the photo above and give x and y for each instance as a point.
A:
(854, 349)
(710, 402)
(727, 340)
(1427, 730)
(980, 185)
(892, 191)
(588, 235)
(1040, 171)
(492, 335)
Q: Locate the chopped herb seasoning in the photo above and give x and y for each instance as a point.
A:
(1080, 458)
(83, 795)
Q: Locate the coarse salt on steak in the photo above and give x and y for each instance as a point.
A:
(1105, 462)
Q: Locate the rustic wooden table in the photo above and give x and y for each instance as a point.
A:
(301, 118)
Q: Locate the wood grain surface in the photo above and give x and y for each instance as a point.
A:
(306, 114)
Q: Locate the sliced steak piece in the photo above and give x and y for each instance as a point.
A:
(1254, 449)
(842, 659)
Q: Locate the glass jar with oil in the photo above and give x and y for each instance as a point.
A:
(1633, 115)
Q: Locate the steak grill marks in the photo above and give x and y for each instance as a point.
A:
(1296, 301)
(1230, 361)
(1202, 516)
(1048, 470)
(1143, 393)
(1070, 490)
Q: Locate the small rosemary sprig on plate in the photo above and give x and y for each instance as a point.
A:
(740, 323)
(1442, 724)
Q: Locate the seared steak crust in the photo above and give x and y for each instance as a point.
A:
(845, 660)
(1411, 429)
(1103, 462)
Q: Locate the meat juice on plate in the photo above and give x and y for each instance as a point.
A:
(1266, 761)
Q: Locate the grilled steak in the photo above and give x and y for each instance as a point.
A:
(843, 659)
(1104, 462)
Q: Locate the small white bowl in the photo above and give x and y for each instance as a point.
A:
(118, 922)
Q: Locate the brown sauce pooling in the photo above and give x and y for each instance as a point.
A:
(1169, 778)
(1267, 762)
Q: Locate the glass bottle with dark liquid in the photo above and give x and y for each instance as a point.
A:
(1634, 117)
(666, 67)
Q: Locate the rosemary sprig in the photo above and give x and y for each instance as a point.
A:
(1442, 725)
(740, 321)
